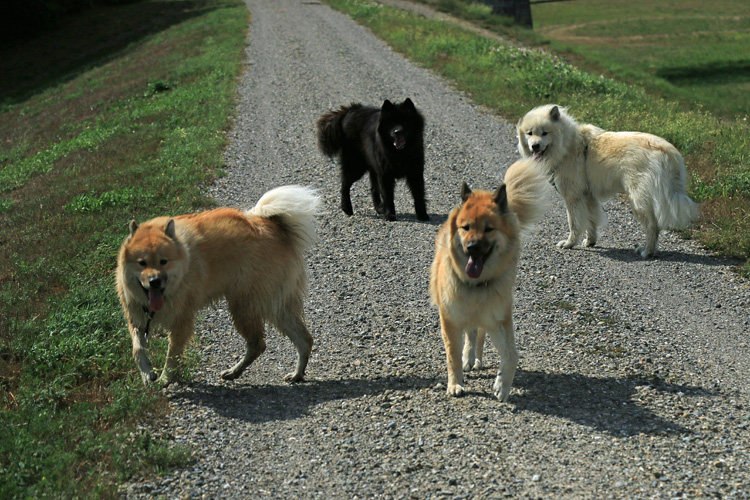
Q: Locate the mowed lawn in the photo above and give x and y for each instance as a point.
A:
(691, 50)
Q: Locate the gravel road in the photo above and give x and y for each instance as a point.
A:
(633, 379)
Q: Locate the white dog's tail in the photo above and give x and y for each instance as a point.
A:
(529, 191)
(296, 208)
(672, 206)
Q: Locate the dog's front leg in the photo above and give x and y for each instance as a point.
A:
(179, 335)
(416, 186)
(453, 338)
(140, 354)
(577, 218)
(387, 186)
(505, 343)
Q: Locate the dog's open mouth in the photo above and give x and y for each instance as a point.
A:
(537, 155)
(399, 142)
(475, 265)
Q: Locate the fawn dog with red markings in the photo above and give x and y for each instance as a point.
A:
(169, 268)
(474, 270)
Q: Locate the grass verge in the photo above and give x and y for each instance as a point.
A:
(113, 128)
(512, 80)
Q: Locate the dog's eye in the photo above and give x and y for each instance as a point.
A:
(544, 133)
(142, 263)
(163, 262)
(489, 229)
(465, 227)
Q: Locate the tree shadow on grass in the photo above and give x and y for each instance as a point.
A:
(84, 40)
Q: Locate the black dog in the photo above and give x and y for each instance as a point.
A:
(386, 142)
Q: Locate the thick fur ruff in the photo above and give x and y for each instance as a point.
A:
(474, 271)
(386, 142)
(169, 268)
(589, 165)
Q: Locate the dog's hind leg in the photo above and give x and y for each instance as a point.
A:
(470, 350)
(352, 170)
(250, 327)
(473, 349)
(292, 324)
(594, 220)
(505, 342)
(377, 200)
(647, 218)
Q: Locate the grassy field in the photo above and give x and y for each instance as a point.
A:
(695, 51)
(97, 127)
(512, 80)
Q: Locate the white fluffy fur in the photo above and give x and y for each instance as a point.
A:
(589, 165)
(297, 206)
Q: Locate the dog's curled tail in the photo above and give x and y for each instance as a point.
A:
(529, 192)
(331, 131)
(295, 208)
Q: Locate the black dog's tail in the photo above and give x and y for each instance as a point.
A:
(331, 130)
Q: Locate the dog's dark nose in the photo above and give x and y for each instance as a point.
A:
(473, 247)
(154, 282)
(536, 147)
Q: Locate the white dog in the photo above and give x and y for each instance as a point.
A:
(588, 165)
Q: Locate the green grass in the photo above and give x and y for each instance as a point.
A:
(132, 130)
(512, 80)
(696, 52)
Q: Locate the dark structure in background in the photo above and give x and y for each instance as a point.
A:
(520, 10)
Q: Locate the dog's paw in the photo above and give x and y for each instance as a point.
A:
(468, 365)
(230, 374)
(148, 377)
(589, 242)
(643, 252)
(165, 379)
(294, 377)
(478, 364)
(423, 216)
(502, 393)
(456, 390)
(565, 244)
(347, 210)
(389, 217)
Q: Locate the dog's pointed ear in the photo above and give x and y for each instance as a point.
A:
(501, 198)
(408, 104)
(169, 230)
(554, 113)
(387, 105)
(465, 192)
(133, 227)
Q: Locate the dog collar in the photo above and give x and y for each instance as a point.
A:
(150, 315)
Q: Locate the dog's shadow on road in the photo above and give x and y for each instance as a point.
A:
(617, 406)
(629, 255)
(273, 402)
(621, 407)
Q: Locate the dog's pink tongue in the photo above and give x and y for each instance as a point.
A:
(155, 299)
(474, 267)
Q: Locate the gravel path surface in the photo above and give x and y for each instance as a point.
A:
(633, 379)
